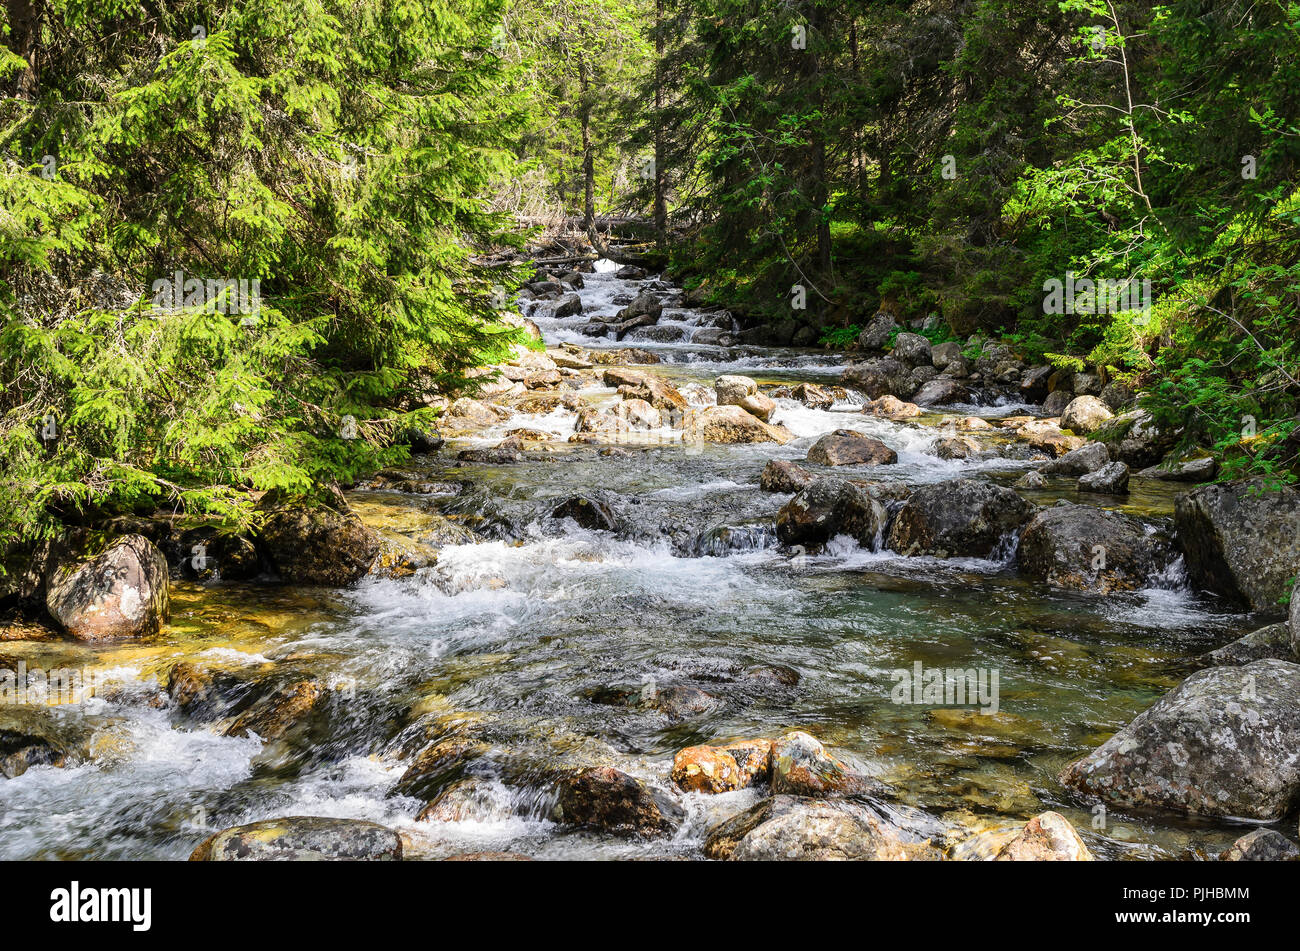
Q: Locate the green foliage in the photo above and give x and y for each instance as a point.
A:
(337, 153)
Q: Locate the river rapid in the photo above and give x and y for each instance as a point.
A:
(547, 642)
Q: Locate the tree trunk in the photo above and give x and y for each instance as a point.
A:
(661, 201)
(588, 161)
(24, 40)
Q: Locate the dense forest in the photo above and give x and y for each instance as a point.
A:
(240, 240)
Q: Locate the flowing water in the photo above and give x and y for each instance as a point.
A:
(548, 642)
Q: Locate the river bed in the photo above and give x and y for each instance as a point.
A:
(545, 635)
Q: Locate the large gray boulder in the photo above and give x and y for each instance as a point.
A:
(943, 391)
(1079, 461)
(1081, 548)
(120, 592)
(1241, 539)
(828, 507)
(1085, 414)
(876, 334)
(912, 350)
(847, 447)
(883, 376)
(1110, 479)
(1223, 743)
(958, 519)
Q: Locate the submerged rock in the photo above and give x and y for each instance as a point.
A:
(1222, 743)
(121, 592)
(962, 518)
(611, 801)
(1262, 845)
(588, 511)
(1273, 642)
(847, 447)
(1241, 539)
(829, 507)
(272, 716)
(1082, 548)
(1047, 837)
(302, 839)
(791, 828)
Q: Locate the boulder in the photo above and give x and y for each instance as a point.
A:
(801, 766)
(1116, 396)
(638, 384)
(942, 392)
(883, 376)
(732, 389)
(719, 769)
(756, 404)
(1194, 471)
(302, 839)
(892, 408)
(1262, 845)
(1273, 641)
(1241, 540)
(876, 334)
(730, 424)
(609, 800)
(1048, 837)
(962, 518)
(791, 828)
(568, 305)
(1054, 403)
(912, 350)
(1033, 384)
(829, 507)
(1079, 461)
(782, 476)
(317, 545)
(1081, 548)
(467, 415)
(630, 272)
(945, 354)
(1085, 414)
(120, 592)
(638, 414)
(847, 447)
(956, 447)
(1108, 480)
(811, 395)
(644, 304)
(1223, 743)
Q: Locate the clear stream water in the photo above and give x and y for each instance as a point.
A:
(542, 638)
